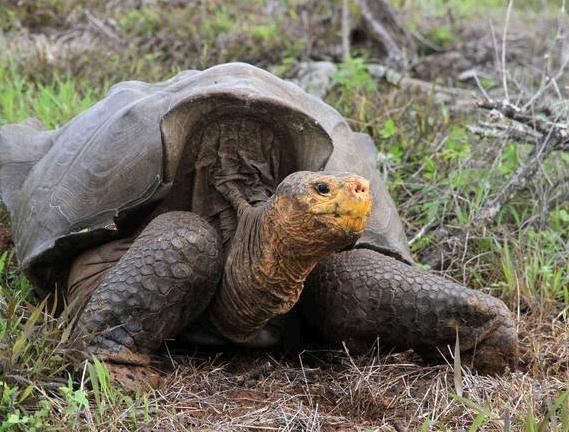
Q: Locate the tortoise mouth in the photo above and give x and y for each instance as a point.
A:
(348, 222)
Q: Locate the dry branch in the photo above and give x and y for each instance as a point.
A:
(345, 31)
(441, 93)
(557, 132)
(316, 78)
(554, 136)
(387, 28)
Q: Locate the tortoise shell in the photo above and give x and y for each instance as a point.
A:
(144, 144)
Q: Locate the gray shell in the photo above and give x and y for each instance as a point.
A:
(74, 187)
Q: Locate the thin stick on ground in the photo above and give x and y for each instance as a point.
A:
(345, 31)
(504, 35)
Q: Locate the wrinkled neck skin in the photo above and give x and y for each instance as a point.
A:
(267, 264)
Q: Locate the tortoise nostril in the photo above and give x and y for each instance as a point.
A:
(360, 188)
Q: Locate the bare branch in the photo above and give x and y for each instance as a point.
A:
(442, 93)
(514, 130)
(345, 31)
(550, 82)
(504, 34)
(387, 28)
(558, 132)
(423, 231)
(492, 206)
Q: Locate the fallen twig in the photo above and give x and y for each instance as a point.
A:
(514, 131)
(316, 77)
(386, 27)
(558, 132)
(441, 93)
(345, 31)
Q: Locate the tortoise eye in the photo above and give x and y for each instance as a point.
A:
(322, 188)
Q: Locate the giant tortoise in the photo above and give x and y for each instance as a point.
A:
(207, 206)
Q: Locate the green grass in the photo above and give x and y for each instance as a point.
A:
(38, 365)
(468, 8)
(485, 415)
(45, 382)
(153, 41)
(53, 104)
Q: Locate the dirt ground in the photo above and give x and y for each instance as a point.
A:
(330, 390)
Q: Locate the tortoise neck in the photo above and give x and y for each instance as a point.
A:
(265, 271)
(287, 255)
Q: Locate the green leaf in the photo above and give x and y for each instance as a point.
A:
(477, 407)
(26, 393)
(3, 259)
(388, 130)
(442, 35)
(426, 425)
(23, 339)
(530, 424)
(430, 169)
(478, 421)
(563, 215)
(81, 398)
(14, 418)
(559, 404)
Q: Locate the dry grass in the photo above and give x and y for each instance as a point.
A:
(330, 390)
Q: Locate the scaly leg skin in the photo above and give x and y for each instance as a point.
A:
(162, 283)
(359, 295)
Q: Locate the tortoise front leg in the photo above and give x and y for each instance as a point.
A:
(359, 295)
(163, 282)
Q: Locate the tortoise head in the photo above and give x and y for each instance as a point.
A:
(322, 211)
(310, 216)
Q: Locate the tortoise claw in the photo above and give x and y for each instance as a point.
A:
(132, 371)
(134, 378)
(497, 352)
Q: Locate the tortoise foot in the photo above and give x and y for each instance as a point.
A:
(163, 282)
(131, 370)
(360, 295)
